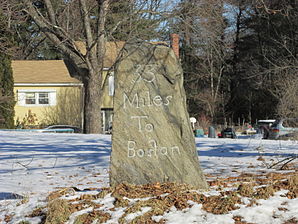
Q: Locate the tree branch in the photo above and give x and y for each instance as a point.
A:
(86, 20)
(51, 12)
(102, 14)
(62, 42)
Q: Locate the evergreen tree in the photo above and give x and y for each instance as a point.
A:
(7, 102)
(265, 55)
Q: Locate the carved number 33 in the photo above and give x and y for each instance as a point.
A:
(145, 72)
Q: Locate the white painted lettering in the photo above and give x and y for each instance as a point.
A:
(149, 73)
(134, 102)
(139, 121)
(145, 73)
(164, 150)
(130, 149)
(168, 98)
(154, 149)
(142, 102)
(141, 153)
(157, 100)
(148, 98)
(149, 127)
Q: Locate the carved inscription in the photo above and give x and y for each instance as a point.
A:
(138, 101)
(152, 139)
(145, 73)
(143, 123)
(153, 150)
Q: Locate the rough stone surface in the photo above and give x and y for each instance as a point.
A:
(152, 138)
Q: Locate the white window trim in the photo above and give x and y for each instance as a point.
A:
(22, 97)
(111, 84)
(48, 84)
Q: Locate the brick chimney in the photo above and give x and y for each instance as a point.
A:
(175, 43)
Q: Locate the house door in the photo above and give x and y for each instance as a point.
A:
(107, 119)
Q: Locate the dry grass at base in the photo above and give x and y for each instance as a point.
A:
(58, 211)
(270, 183)
(89, 218)
(291, 221)
(148, 190)
(221, 204)
(161, 197)
(38, 212)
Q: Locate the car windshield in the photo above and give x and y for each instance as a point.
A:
(274, 125)
(58, 127)
(265, 123)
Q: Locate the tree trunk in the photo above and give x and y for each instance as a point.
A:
(92, 98)
(87, 66)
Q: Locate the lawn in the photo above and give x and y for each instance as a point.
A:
(56, 178)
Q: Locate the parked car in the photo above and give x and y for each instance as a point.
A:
(227, 133)
(263, 127)
(284, 128)
(61, 129)
(249, 131)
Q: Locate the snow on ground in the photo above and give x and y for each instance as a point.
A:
(226, 156)
(34, 164)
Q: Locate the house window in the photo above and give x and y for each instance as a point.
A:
(36, 97)
(111, 85)
(43, 98)
(30, 98)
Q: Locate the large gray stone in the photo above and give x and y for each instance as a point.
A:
(152, 138)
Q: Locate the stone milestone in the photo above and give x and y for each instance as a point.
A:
(152, 137)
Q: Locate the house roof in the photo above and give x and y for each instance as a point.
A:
(39, 71)
(55, 71)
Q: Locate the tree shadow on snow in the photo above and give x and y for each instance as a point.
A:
(9, 196)
(34, 155)
(235, 150)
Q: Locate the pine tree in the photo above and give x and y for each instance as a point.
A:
(265, 57)
(7, 102)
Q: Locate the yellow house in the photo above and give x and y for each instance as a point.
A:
(37, 85)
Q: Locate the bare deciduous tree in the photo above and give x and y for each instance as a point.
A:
(88, 67)
(66, 22)
(282, 60)
(285, 88)
(203, 25)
